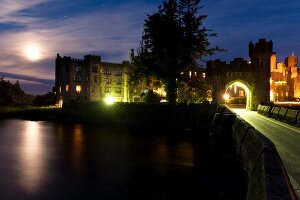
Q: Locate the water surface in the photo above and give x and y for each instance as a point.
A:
(45, 160)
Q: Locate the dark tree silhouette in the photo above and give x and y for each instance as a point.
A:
(151, 97)
(48, 99)
(12, 94)
(173, 40)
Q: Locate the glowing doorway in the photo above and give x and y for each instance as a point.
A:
(238, 92)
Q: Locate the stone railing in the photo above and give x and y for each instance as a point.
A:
(264, 174)
(283, 114)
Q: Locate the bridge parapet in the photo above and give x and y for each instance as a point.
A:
(290, 116)
(264, 172)
(239, 135)
(281, 114)
(275, 111)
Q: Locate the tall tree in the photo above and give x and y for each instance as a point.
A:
(173, 40)
(195, 37)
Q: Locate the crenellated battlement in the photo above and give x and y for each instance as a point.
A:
(261, 49)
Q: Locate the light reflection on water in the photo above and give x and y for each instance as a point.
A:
(68, 161)
(31, 156)
(77, 148)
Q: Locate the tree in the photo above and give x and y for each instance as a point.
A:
(195, 37)
(193, 91)
(173, 40)
(151, 97)
(48, 99)
(12, 94)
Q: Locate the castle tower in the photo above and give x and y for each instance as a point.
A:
(260, 54)
(273, 66)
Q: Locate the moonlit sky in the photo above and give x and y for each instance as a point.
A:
(111, 28)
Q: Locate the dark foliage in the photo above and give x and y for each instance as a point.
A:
(151, 97)
(12, 94)
(173, 40)
(47, 99)
(192, 91)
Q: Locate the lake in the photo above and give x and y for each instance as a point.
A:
(47, 160)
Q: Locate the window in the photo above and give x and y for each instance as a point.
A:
(78, 69)
(118, 90)
(78, 89)
(77, 78)
(67, 88)
(118, 72)
(107, 89)
(107, 71)
(108, 81)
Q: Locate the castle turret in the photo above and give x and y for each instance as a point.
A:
(260, 54)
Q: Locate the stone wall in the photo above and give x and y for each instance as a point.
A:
(261, 165)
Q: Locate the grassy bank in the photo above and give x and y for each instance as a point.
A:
(124, 114)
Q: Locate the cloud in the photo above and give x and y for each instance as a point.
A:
(111, 32)
(29, 84)
(28, 79)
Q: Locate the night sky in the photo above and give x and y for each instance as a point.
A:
(111, 28)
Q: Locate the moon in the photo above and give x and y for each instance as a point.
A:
(33, 53)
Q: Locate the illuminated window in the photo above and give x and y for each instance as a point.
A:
(67, 88)
(78, 88)
(241, 93)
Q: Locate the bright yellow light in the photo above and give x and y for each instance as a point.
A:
(226, 96)
(78, 89)
(33, 53)
(109, 100)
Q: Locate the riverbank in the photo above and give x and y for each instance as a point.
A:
(158, 115)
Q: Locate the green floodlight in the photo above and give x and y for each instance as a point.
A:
(109, 100)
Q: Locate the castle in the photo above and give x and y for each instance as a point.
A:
(285, 79)
(253, 74)
(90, 79)
(265, 79)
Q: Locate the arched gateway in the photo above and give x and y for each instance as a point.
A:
(252, 75)
(246, 88)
